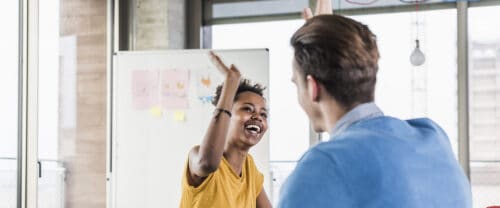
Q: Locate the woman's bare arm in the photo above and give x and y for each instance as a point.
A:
(263, 201)
(205, 158)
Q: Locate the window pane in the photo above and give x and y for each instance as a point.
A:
(9, 19)
(237, 9)
(283, 99)
(72, 104)
(364, 4)
(484, 101)
(430, 90)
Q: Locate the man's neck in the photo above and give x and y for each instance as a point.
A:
(332, 112)
(358, 112)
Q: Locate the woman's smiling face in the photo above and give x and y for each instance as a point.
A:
(249, 119)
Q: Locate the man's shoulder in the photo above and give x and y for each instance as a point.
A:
(374, 136)
(315, 182)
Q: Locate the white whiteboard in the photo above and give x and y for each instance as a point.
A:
(149, 149)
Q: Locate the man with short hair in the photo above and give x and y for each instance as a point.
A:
(371, 160)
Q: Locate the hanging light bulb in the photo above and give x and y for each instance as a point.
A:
(417, 58)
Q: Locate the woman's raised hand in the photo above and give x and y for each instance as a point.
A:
(322, 7)
(231, 73)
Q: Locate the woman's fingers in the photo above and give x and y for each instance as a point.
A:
(230, 72)
(218, 63)
(234, 69)
(323, 7)
(307, 13)
(235, 72)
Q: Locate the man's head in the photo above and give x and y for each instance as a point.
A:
(340, 56)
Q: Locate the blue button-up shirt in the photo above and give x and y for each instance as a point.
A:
(372, 160)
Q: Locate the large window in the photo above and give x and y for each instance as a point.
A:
(403, 90)
(484, 104)
(9, 106)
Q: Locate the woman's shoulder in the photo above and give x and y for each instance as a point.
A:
(249, 160)
(250, 163)
(249, 157)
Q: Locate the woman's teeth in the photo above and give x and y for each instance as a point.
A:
(253, 128)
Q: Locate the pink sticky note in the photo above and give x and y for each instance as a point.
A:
(174, 89)
(144, 88)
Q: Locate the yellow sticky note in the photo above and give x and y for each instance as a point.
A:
(155, 111)
(179, 116)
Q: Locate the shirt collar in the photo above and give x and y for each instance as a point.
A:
(360, 112)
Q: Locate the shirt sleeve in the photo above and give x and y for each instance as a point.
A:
(191, 189)
(315, 182)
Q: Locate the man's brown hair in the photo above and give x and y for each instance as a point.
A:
(341, 54)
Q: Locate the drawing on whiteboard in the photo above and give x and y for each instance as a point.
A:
(206, 82)
(174, 89)
(144, 89)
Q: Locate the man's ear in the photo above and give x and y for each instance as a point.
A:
(313, 88)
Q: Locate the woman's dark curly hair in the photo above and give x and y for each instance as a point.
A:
(245, 86)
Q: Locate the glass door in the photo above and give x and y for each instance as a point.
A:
(51, 179)
(72, 104)
(9, 106)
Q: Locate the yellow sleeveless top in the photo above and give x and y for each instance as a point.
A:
(224, 188)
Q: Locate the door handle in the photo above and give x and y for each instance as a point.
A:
(39, 169)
